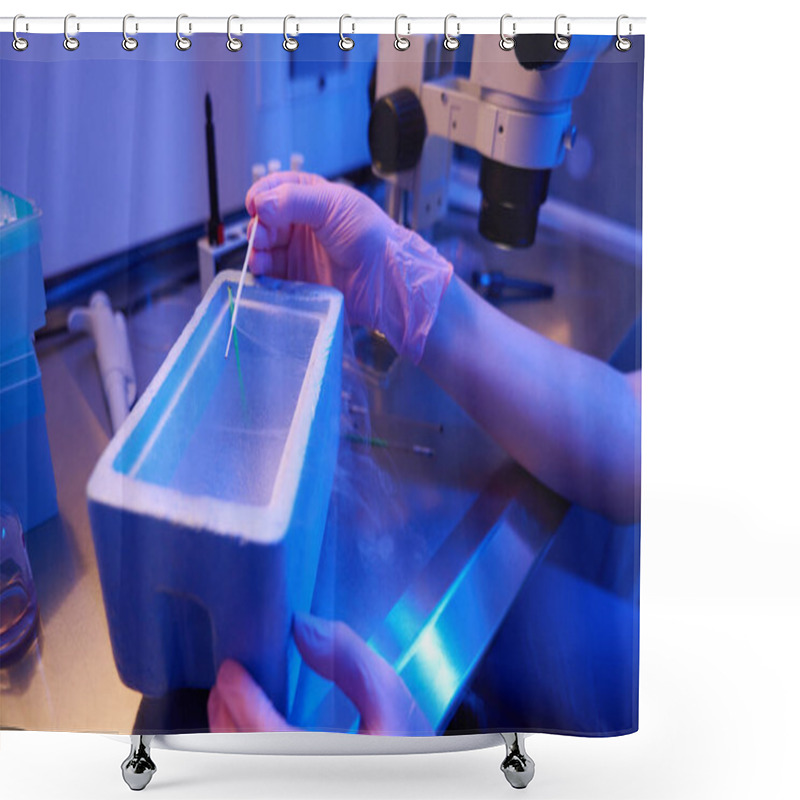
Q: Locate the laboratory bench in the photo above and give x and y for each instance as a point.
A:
(413, 527)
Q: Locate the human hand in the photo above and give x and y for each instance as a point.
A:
(312, 230)
(238, 704)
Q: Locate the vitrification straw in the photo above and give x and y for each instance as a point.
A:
(241, 284)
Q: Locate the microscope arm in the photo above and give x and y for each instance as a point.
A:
(515, 137)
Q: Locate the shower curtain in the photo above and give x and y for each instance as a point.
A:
(406, 502)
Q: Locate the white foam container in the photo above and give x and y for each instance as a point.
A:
(208, 506)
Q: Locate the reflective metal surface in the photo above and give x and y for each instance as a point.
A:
(138, 768)
(439, 628)
(517, 766)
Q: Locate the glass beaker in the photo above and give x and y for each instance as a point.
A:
(19, 610)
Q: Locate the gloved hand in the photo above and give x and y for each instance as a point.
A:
(312, 230)
(238, 704)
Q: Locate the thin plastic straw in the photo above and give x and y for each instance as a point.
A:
(241, 284)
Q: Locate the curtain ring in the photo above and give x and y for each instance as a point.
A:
(19, 44)
(289, 44)
(561, 42)
(507, 42)
(181, 42)
(451, 42)
(622, 43)
(345, 42)
(233, 44)
(401, 42)
(70, 42)
(128, 42)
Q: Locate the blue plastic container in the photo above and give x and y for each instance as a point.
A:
(22, 299)
(209, 504)
(26, 471)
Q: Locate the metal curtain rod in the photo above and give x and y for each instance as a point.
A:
(354, 25)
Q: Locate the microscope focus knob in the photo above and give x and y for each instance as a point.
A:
(397, 132)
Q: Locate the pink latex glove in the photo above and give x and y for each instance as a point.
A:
(321, 232)
(238, 704)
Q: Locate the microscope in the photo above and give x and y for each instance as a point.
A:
(515, 110)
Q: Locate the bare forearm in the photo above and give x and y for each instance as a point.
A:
(569, 419)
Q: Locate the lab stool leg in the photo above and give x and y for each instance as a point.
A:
(138, 768)
(517, 766)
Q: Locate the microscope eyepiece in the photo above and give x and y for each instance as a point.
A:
(510, 201)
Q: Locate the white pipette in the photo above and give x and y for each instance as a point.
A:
(241, 284)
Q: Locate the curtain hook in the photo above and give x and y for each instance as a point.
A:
(289, 43)
(345, 42)
(233, 44)
(451, 42)
(561, 42)
(622, 43)
(401, 42)
(128, 42)
(181, 42)
(507, 42)
(19, 44)
(70, 42)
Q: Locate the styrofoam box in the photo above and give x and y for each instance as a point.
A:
(26, 469)
(208, 506)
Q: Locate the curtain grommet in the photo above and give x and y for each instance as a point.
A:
(70, 42)
(18, 43)
(345, 42)
(507, 40)
(561, 43)
(451, 42)
(182, 42)
(401, 43)
(622, 44)
(233, 44)
(129, 43)
(290, 44)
